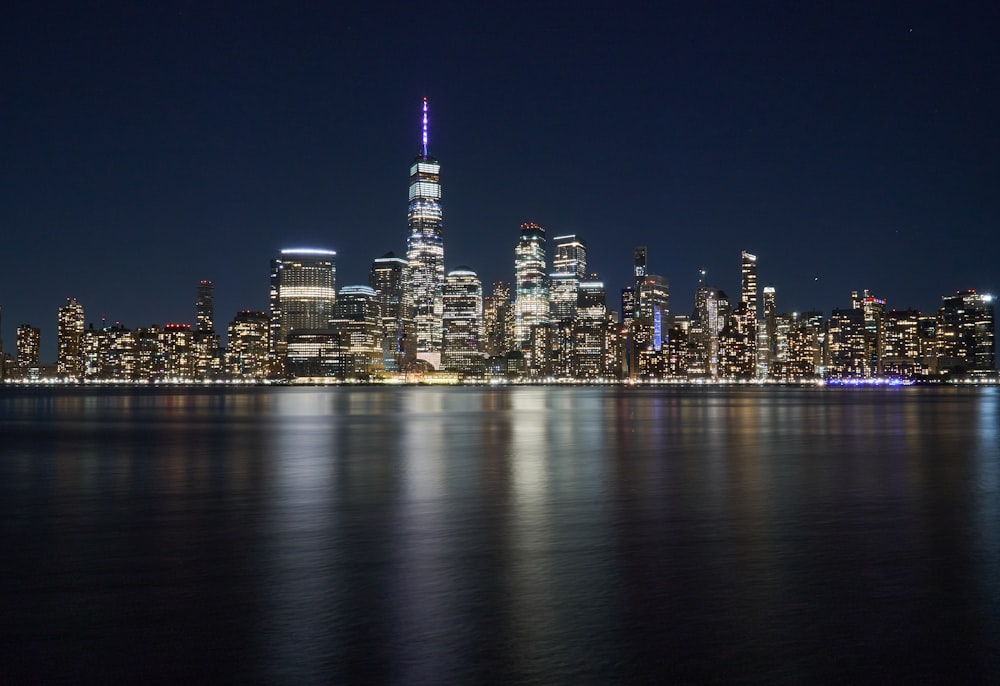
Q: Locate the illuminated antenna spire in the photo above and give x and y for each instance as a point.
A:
(425, 128)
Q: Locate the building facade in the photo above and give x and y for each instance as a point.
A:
(425, 248)
(303, 292)
(462, 349)
(531, 302)
(69, 356)
(398, 343)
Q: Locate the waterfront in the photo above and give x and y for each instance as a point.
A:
(509, 535)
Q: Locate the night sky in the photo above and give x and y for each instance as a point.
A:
(147, 146)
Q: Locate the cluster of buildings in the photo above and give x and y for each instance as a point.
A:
(413, 321)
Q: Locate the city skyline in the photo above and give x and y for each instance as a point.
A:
(848, 149)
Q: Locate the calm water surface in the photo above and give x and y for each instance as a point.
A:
(512, 535)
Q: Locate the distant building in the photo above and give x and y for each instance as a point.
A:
(654, 307)
(847, 345)
(247, 351)
(358, 324)
(205, 306)
(966, 333)
(425, 247)
(69, 356)
(462, 349)
(387, 277)
(569, 266)
(498, 321)
(303, 292)
(29, 345)
(639, 271)
(531, 303)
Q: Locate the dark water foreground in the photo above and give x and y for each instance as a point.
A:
(516, 535)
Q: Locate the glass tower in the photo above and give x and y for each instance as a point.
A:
(569, 266)
(425, 248)
(205, 306)
(303, 291)
(69, 361)
(386, 277)
(463, 321)
(531, 302)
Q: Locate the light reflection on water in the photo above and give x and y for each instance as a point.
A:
(556, 535)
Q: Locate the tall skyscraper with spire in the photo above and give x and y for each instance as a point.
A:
(425, 248)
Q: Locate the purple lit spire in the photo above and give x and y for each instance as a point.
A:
(425, 128)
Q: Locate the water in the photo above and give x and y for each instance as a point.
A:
(512, 535)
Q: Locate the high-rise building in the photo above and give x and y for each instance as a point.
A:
(205, 321)
(69, 358)
(847, 346)
(874, 316)
(498, 320)
(748, 282)
(531, 302)
(744, 334)
(425, 248)
(966, 330)
(901, 354)
(628, 303)
(589, 342)
(246, 354)
(29, 345)
(358, 323)
(569, 266)
(303, 292)
(386, 277)
(639, 275)
(462, 349)
(767, 350)
(654, 307)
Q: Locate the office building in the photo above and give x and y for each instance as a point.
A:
(29, 345)
(462, 349)
(398, 342)
(69, 360)
(425, 248)
(569, 266)
(247, 351)
(498, 321)
(639, 267)
(205, 306)
(358, 323)
(303, 292)
(966, 332)
(531, 302)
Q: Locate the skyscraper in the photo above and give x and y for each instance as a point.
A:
(358, 323)
(425, 248)
(498, 320)
(205, 322)
(744, 333)
(69, 359)
(462, 349)
(569, 265)
(638, 274)
(748, 282)
(29, 342)
(531, 302)
(246, 354)
(966, 332)
(303, 292)
(767, 349)
(386, 277)
(654, 306)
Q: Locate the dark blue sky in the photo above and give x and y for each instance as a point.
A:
(150, 145)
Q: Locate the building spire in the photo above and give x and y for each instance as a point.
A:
(423, 149)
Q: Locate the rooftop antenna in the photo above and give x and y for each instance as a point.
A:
(425, 129)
